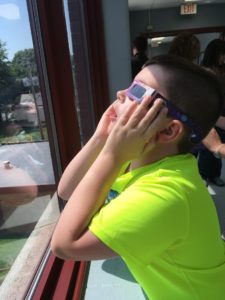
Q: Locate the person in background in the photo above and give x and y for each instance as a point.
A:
(139, 57)
(185, 45)
(222, 36)
(213, 143)
(210, 165)
(162, 220)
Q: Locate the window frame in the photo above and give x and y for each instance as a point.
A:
(54, 277)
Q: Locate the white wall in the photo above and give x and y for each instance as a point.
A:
(121, 26)
(170, 19)
(117, 39)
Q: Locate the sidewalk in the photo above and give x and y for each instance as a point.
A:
(33, 158)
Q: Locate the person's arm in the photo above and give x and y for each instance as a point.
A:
(221, 122)
(79, 165)
(71, 238)
(213, 143)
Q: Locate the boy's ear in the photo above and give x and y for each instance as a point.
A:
(173, 131)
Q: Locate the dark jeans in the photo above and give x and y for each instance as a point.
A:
(210, 166)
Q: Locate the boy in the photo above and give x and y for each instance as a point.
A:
(162, 221)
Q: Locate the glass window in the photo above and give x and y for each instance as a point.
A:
(81, 69)
(27, 181)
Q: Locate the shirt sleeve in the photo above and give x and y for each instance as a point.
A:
(143, 221)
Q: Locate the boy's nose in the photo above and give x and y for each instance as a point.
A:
(121, 95)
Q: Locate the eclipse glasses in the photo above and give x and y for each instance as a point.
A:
(137, 91)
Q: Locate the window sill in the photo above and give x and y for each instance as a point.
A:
(26, 263)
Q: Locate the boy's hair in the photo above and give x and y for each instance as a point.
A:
(194, 90)
(185, 45)
(140, 43)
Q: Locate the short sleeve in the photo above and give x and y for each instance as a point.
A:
(143, 221)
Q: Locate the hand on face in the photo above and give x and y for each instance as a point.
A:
(134, 134)
(110, 116)
(104, 126)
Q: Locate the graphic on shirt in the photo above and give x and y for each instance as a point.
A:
(111, 195)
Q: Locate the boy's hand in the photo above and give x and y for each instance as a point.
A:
(135, 131)
(104, 125)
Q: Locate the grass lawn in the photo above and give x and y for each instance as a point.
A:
(9, 250)
(24, 135)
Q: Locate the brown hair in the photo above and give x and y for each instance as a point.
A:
(185, 45)
(197, 92)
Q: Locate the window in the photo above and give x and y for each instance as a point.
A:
(51, 97)
(27, 175)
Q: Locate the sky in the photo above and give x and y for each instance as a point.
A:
(14, 26)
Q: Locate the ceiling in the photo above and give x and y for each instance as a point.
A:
(154, 4)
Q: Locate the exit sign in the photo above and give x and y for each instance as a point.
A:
(188, 9)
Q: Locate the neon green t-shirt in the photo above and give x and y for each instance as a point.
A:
(164, 225)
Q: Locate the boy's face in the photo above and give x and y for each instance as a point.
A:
(152, 80)
(148, 76)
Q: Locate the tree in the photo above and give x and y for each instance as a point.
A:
(23, 63)
(6, 79)
(24, 66)
(3, 51)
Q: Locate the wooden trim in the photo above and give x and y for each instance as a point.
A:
(49, 119)
(86, 25)
(84, 98)
(42, 189)
(48, 280)
(63, 284)
(80, 281)
(97, 56)
(59, 279)
(57, 57)
(192, 30)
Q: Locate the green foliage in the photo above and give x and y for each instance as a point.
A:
(8, 94)
(24, 136)
(9, 250)
(6, 77)
(11, 74)
(7, 81)
(23, 64)
(3, 51)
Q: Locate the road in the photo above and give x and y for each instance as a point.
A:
(33, 158)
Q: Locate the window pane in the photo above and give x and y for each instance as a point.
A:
(27, 181)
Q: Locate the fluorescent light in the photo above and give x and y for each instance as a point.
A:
(155, 42)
